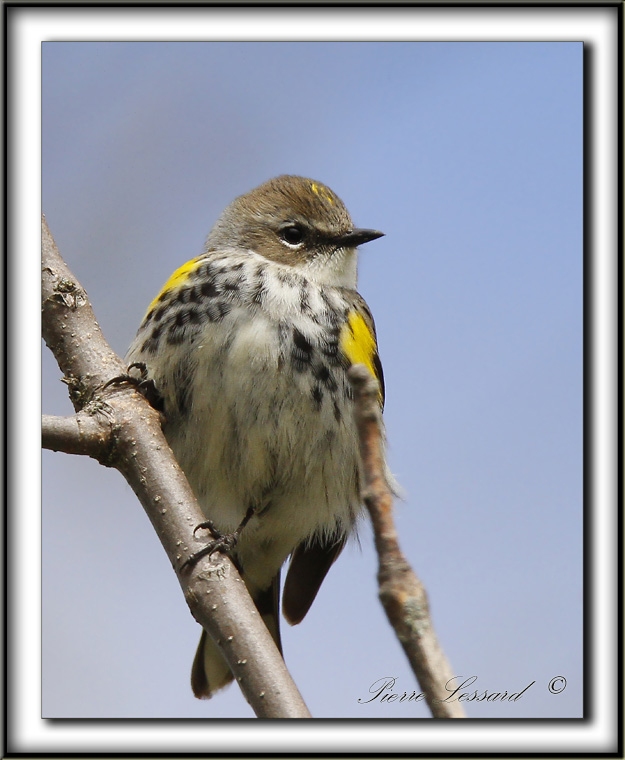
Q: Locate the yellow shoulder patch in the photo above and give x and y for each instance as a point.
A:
(177, 278)
(358, 344)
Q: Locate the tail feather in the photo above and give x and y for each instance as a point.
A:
(310, 563)
(210, 671)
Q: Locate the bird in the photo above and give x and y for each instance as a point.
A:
(248, 347)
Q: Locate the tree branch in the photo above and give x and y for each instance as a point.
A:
(79, 434)
(402, 594)
(118, 427)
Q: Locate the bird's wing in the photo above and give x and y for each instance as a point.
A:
(309, 565)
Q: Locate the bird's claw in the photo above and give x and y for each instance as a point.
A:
(222, 542)
(143, 384)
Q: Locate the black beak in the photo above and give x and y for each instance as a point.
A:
(357, 237)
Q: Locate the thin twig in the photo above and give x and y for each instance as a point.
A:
(402, 594)
(130, 438)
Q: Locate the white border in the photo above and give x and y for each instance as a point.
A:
(27, 28)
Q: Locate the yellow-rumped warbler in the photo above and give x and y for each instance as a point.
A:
(248, 346)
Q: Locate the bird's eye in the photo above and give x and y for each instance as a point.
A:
(293, 234)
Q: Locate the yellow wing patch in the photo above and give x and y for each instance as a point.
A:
(359, 345)
(177, 278)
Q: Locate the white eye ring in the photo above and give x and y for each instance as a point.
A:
(292, 235)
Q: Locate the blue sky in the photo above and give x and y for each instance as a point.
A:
(468, 156)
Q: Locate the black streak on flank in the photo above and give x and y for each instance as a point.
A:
(317, 395)
(189, 295)
(323, 374)
(337, 412)
(217, 310)
(176, 335)
(206, 270)
(302, 342)
(330, 349)
(160, 312)
(302, 350)
(189, 316)
(208, 289)
(151, 344)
